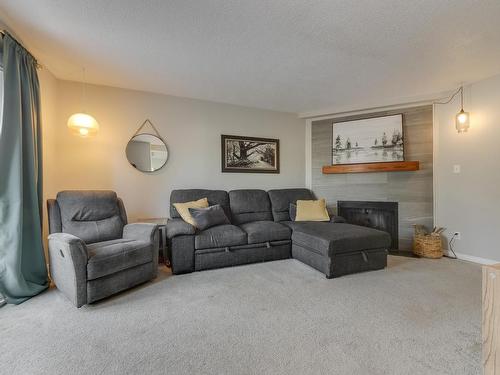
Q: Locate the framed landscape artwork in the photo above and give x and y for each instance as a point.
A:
(250, 154)
(373, 140)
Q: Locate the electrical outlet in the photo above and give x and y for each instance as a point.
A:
(457, 235)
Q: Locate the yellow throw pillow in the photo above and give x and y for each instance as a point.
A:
(183, 209)
(312, 211)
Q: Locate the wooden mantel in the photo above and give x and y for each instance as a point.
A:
(395, 166)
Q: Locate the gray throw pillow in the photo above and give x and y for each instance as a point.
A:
(292, 210)
(208, 217)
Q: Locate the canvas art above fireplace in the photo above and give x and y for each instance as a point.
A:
(372, 140)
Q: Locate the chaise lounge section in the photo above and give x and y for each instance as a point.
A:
(261, 229)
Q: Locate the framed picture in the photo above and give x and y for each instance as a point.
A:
(371, 140)
(250, 154)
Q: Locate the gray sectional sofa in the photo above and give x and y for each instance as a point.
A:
(261, 230)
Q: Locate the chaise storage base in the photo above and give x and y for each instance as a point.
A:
(341, 264)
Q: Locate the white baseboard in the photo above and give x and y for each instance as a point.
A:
(474, 259)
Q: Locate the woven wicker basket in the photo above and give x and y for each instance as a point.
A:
(427, 245)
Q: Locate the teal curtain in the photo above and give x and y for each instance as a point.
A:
(23, 271)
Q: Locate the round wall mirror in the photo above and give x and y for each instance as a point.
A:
(146, 152)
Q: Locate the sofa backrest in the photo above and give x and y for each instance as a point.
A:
(281, 199)
(187, 195)
(92, 215)
(249, 205)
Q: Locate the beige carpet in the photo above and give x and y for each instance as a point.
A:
(415, 317)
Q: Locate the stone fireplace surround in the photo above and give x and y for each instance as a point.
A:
(413, 191)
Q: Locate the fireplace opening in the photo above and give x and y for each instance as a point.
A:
(378, 215)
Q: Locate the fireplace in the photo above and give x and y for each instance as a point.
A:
(378, 215)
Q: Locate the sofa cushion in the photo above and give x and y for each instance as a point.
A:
(183, 209)
(186, 195)
(333, 218)
(208, 217)
(266, 231)
(312, 210)
(249, 205)
(108, 257)
(220, 236)
(93, 216)
(335, 238)
(281, 199)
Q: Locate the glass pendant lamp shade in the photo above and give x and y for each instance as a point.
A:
(83, 124)
(462, 121)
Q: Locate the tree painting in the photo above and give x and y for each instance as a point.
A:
(348, 144)
(374, 139)
(247, 154)
(338, 143)
(384, 139)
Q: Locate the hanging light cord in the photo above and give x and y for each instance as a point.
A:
(460, 90)
(84, 90)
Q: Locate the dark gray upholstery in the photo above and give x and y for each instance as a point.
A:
(54, 214)
(205, 218)
(338, 249)
(220, 236)
(95, 247)
(249, 205)
(178, 227)
(342, 264)
(187, 195)
(68, 259)
(266, 231)
(336, 238)
(92, 216)
(182, 252)
(103, 287)
(112, 256)
(227, 257)
(337, 219)
(123, 212)
(281, 199)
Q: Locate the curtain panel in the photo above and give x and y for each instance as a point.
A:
(23, 271)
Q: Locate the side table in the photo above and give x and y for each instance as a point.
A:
(162, 227)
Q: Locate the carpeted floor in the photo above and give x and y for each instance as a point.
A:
(416, 317)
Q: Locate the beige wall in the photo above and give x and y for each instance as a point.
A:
(469, 202)
(48, 97)
(192, 130)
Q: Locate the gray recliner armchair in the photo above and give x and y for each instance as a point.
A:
(93, 252)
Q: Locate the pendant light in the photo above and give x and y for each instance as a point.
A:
(462, 119)
(83, 124)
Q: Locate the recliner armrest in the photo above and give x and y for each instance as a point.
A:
(145, 232)
(140, 231)
(178, 227)
(70, 243)
(68, 266)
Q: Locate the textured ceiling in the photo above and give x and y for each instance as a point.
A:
(288, 55)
